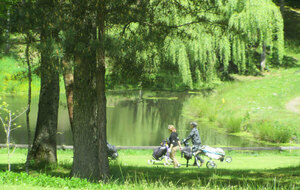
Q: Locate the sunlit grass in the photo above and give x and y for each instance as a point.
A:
(252, 100)
(248, 170)
(14, 79)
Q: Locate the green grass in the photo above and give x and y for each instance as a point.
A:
(250, 101)
(272, 131)
(248, 170)
(14, 79)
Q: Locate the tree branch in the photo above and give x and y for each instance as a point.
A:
(19, 114)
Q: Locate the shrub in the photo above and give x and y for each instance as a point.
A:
(232, 123)
(273, 132)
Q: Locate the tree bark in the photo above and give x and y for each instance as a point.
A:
(100, 86)
(89, 117)
(85, 127)
(282, 7)
(44, 144)
(29, 102)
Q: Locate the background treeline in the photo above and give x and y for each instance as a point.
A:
(153, 44)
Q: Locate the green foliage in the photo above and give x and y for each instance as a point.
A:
(7, 120)
(241, 106)
(260, 23)
(13, 76)
(43, 180)
(198, 42)
(272, 131)
(232, 123)
(162, 44)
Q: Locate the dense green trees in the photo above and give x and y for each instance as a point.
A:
(158, 43)
(202, 41)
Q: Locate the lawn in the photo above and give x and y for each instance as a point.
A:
(248, 170)
(254, 107)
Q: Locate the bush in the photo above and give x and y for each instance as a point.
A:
(273, 132)
(232, 123)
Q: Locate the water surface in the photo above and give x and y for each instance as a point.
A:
(134, 118)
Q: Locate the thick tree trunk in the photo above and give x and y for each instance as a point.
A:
(85, 126)
(89, 118)
(89, 121)
(103, 159)
(44, 144)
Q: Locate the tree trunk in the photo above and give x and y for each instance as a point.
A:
(29, 102)
(282, 7)
(7, 48)
(263, 59)
(85, 126)
(89, 121)
(100, 85)
(44, 144)
(69, 81)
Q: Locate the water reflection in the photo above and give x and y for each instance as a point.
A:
(133, 119)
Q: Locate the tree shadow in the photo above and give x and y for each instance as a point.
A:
(63, 170)
(290, 62)
(286, 177)
(289, 176)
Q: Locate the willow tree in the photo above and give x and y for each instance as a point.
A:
(229, 38)
(201, 42)
(261, 25)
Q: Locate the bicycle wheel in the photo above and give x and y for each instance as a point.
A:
(151, 161)
(211, 164)
(228, 159)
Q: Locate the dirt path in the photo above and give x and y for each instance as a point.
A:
(294, 105)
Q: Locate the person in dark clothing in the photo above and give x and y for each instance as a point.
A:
(174, 145)
(194, 135)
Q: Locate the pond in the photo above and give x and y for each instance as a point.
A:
(134, 118)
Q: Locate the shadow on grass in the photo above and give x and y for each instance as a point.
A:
(189, 176)
(62, 170)
(282, 177)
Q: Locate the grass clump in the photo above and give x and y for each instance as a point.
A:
(232, 123)
(273, 132)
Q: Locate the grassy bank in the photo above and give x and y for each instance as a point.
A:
(13, 77)
(254, 107)
(248, 170)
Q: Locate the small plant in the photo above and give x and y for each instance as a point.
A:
(9, 126)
